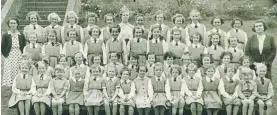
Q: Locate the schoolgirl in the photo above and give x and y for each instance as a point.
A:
(226, 58)
(178, 20)
(246, 62)
(92, 19)
(126, 32)
(215, 47)
(217, 22)
(236, 30)
(105, 31)
(186, 60)
(33, 48)
(114, 61)
(159, 17)
(168, 57)
(133, 65)
(196, 48)
(54, 19)
(206, 60)
(151, 60)
(64, 63)
(235, 50)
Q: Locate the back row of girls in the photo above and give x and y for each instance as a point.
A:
(156, 85)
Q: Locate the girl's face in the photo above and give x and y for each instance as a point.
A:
(24, 68)
(261, 72)
(233, 42)
(97, 60)
(13, 25)
(176, 35)
(215, 39)
(95, 72)
(33, 38)
(142, 71)
(63, 61)
(195, 38)
(133, 60)
(138, 33)
(156, 32)
(140, 20)
(78, 58)
(113, 57)
(226, 59)
(115, 32)
(160, 18)
(237, 24)
(246, 76)
(109, 20)
(186, 59)
(259, 27)
(111, 72)
(230, 72)
(169, 60)
(175, 72)
(246, 63)
(72, 35)
(158, 71)
(71, 19)
(54, 20)
(206, 60)
(125, 17)
(95, 32)
(210, 72)
(151, 59)
(178, 21)
(191, 71)
(33, 19)
(41, 68)
(125, 75)
(91, 20)
(51, 37)
(59, 73)
(195, 16)
(217, 22)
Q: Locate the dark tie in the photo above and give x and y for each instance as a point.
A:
(72, 42)
(211, 80)
(125, 82)
(53, 27)
(71, 26)
(262, 80)
(41, 77)
(138, 40)
(94, 40)
(217, 30)
(195, 26)
(52, 43)
(237, 30)
(248, 84)
(34, 46)
(94, 79)
(215, 47)
(159, 79)
(174, 79)
(191, 77)
(110, 79)
(169, 66)
(24, 76)
(35, 27)
(231, 80)
(176, 43)
(235, 50)
(195, 46)
(114, 39)
(156, 41)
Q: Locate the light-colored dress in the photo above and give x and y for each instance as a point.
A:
(210, 93)
(57, 87)
(43, 88)
(160, 94)
(93, 91)
(21, 83)
(75, 94)
(12, 62)
(144, 92)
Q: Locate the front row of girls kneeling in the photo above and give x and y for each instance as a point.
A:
(159, 92)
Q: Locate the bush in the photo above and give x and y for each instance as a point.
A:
(272, 12)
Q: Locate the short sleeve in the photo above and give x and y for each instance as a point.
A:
(103, 83)
(117, 85)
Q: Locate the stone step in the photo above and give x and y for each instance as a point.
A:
(43, 4)
(41, 22)
(43, 14)
(45, 8)
(46, 0)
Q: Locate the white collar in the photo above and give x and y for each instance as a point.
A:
(161, 77)
(126, 24)
(122, 81)
(81, 65)
(21, 75)
(167, 65)
(74, 41)
(198, 45)
(235, 30)
(208, 79)
(215, 30)
(31, 45)
(193, 24)
(148, 65)
(136, 39)
(74, 25)
(32, 25)
(93, 77)
(177, 27)
(228, 79)
(261, 37)
(90, 26)
(56, 26)
(177, 78)
(16, 33)
(154, 40)
(43, 76)
(117, 39)
(212, 46)
(113, 78)
(141, 78)
(174, 42)
(92, 40)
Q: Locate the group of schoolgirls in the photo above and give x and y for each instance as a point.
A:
(116, 65)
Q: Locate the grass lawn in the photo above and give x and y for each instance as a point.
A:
(6, 92)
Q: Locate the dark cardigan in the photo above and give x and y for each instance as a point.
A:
(269, 49)
(6, 43)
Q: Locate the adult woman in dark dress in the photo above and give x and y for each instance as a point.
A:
(12, 45)
(261, 47)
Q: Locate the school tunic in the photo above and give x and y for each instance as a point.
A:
(240, 34)
(164, 31)
(222, 33)
(70, 49)
(78, 28)
(93, 91)
(75, 94)
(127, 90)
(112, 84)
(150, 72)
(39, 30)
(194, 88)
(134, 72)
(175, 91)
(57, 29)
(196, 51)
(159, 91)
(105, 34)
(144, 92)
(200, 28)
(42, 88)
(86, 33)
(210, 93)
(59, 85)
(93, 47)
(247, 89)
(220, 71)
(138, 46)
(178, 49)
(115, 45)
(53, 50)
(184, 35)
(237, 54)
(21, 83)
(34, 52)
(229, 88)
(264, 89)
(159, 47)
(216, 52)
(167, 68)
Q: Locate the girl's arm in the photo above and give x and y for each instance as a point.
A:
(240, 94)
(33, 90)
(63, 51)
(167, 90)
(62, 34)
(85, 50)
(245, 37)
(148, 46)
(65, 89)
(43, 49)
(185, 89)
(270, 90)
(200, 89)
(51, 83)
(121, 94)
(221, 89)
(236, 92)
(116, 90)
(165, 46)
(150, 90)
(48, 91)
(133, 91)
(14, 89)
(85, 90)
(24, 49)
(81, 49)
(104, 54)
(82, 35)
(254, 94)
(105, 89)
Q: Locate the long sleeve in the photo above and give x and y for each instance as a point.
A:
(33, 88)
(64, 49)
(240, 94)
(200, 89)
(101, 37)
(51, 83)
(62, 34)
(86, 86)
(272, 55)
(185, 89)
(133, 91)
(81, 48)
(107, 47)
(236, 92)
(165, 46)
(121, 93)
(14, 89)
(205, 36)
(254, 94)
(245, 37)
(150, 90)
(148, 46)
(24, 49)
(167, 90)
(86, 50)
(105, 57)
(82, 36)
(221, 89)
(43, 49)
(187, 37)
(270, 90)
(48, 90)
(248, 48)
